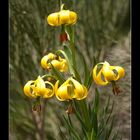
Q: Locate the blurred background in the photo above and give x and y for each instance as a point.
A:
(102, 31)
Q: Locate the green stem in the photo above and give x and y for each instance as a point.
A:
(69, 30)
(73, 52)
(60, 3)
(47, 75)
(72, 47)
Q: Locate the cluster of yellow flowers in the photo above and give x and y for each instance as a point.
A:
(71, 88)
(68, 90)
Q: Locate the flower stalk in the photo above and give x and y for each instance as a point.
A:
(65, 83)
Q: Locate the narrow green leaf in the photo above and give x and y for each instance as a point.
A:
(58, 75)
(106, 117)
(90, 110)
(110, 113)
(93, 135)
(77, 75)
(69, 120)
(107, 105)
(90, 78)
(86, 70)
(72, 67)
(96, 101)
(62, 133)
(79, 117)
(87, 74)
(67, 54)
(95, 123)
(108, 133)
(70, 32)
(72, 130)
(95, 112)
(89, 82)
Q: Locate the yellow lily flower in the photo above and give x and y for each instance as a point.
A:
(62, 17)
(38, 88)
(107, 73)
(57, 62)
(45, 59)
(70, 89)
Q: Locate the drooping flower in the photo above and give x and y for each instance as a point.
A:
(51, 59)
(70, 89)
(39, 88)
(107, 73)
(62, 17)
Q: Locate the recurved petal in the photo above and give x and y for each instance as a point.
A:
(98, 76)
(44, 60)
(77, 85)
(49, 83)
(64, 66)
(66, 82)
(85, 91)
(73, 17)
(120, 72)
(56, 64)
(48, 93)
(62, 93)
(44, 63)
(53, 19)
(109, 75)
(79, 90)
(28, 90)
(81, 95)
